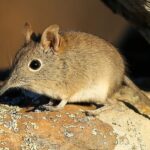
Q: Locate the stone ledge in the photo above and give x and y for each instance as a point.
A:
(120, 128)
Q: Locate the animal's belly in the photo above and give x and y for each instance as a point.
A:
(96, 93)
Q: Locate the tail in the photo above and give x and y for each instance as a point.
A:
(141, 94)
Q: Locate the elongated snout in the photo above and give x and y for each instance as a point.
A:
(4, 89)
(9, 84)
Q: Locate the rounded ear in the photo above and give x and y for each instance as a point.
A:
(51, 38)
(28, 32)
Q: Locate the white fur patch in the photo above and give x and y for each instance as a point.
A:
(97, 92)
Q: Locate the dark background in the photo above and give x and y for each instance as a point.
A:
(81, 15)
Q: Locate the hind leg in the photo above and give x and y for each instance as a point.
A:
(111, 104)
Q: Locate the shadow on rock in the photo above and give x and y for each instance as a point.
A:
(23, 98)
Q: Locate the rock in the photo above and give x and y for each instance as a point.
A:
(137, 12)
(67, 129)
(119, 128)
(131, 129)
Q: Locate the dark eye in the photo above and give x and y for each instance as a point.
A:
(35, 64)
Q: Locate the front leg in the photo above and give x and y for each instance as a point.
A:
(49, 106)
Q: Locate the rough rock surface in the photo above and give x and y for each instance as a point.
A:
(119, 127)
(136, 11)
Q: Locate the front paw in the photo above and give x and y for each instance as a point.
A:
(47, 107)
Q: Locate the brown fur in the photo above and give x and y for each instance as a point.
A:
(76, 67)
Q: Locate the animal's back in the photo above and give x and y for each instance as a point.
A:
(92, 65)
